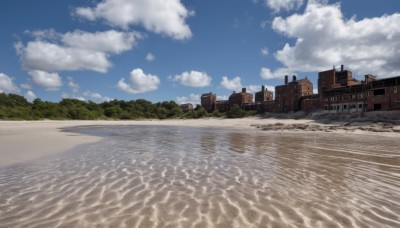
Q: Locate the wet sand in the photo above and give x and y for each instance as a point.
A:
(166, 176)
(23, 141)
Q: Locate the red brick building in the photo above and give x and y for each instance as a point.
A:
(240, 98)
(359, 96)
(288, 96)
(338, 92)
(264, 95)
(208, 101)
(335, 78)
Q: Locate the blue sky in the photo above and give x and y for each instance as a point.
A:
(178, 49)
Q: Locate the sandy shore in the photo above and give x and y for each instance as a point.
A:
(26, 140)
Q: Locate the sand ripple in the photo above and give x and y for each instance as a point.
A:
(188, 177)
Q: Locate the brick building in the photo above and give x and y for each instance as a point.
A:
(240, 98)
(208, 101)
(222, 105)
(187, 107)
(335, 78)
(338, 92)
(288, 96)
(358, 96)
(383, 94)
(264, 95)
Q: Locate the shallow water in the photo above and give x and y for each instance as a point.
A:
(147, 176)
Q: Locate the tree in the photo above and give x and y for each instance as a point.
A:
(236, 112)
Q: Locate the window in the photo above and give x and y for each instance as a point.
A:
(378, 92)
(344, 106)
(325, 107)
(360, 106)
(395, 90)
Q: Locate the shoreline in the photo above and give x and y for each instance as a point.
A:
(22, 141)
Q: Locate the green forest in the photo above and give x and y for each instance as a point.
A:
(16, 107)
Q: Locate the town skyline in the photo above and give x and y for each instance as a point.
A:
(96, 50)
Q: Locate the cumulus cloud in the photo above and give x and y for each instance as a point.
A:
(194, 99)
(25, 86)
(30, 96)
(72, 85)
(108, 41)
(76, 50)
(159, 16)
(267, 73)
(150, 57)
(139, 82)
(192, 79)
(96, 97)
(257, 88)
(264, 51)
(7, 85)
(223, 97)
(233, 84)
(50, 81)
(325, 38)
(279, 5)
(72, 96)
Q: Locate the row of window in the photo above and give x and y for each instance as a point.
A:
(345, 106)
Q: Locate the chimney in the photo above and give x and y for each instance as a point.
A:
(243, 90)
(341, 68)
(263, 88)
(294, 77)
(286, 79)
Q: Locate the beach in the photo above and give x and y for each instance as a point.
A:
(249, 172)
(27, 140)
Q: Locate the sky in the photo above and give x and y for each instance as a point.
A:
(162, 50)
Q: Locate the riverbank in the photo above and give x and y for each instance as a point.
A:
(22, 141)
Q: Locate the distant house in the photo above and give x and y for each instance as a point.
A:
(338, 92)
(240, 98)
(288, 96)
(264, 95)
(187, 107)
(208, 101)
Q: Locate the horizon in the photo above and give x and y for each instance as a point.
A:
(91, 51)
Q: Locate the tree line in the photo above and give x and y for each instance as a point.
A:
(16, 107)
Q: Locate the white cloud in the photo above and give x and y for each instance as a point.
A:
(192, 79)
(68, 96)
(267, 74)
(76, 50)
(279, 5)
(72, 85)
(257, 88)
(139, 82)
(159, 16)
(96, 97)
(325, 38)
(50, 81)
(25, 86)
(233, 84)
(30, 96)
(109, 41)
(7, 85)
(264, 51)
(224, 97)
(150, 57)
(194, 99)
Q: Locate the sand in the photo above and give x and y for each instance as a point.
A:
(263, 173)
(22, 141)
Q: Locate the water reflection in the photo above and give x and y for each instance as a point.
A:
(183, 177)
